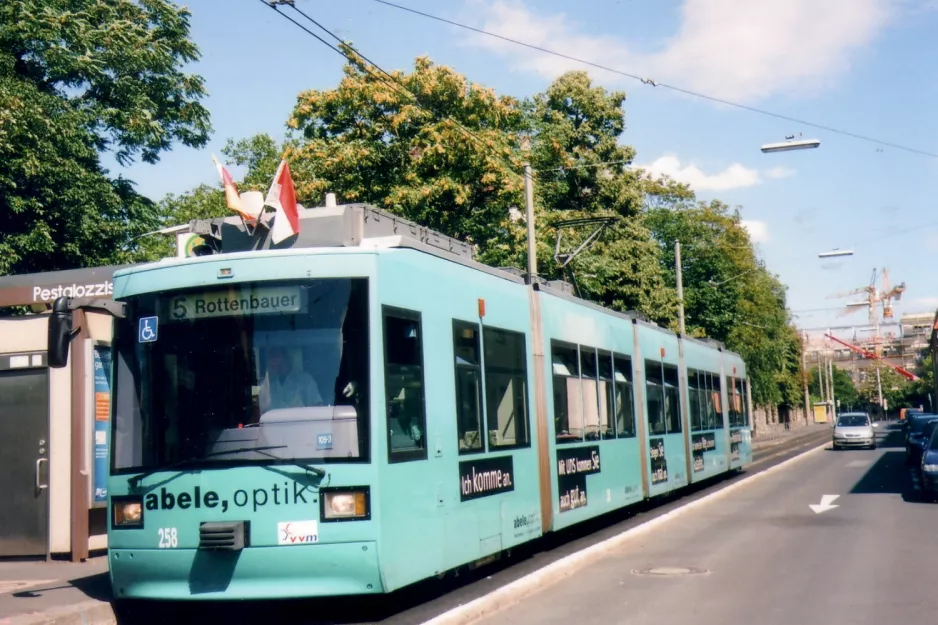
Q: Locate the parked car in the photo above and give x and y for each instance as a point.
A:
(928, 466)
(920, 430)
(907, 415)
(854, 429)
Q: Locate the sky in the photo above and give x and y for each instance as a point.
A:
(866, 67)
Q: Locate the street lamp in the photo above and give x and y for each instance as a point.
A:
(787, 146)
(835, 253)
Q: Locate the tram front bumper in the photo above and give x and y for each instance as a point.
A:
(321, 570)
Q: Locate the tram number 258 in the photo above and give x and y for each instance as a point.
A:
(169, 539)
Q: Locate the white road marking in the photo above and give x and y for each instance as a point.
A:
(859, 463)
(825, 505)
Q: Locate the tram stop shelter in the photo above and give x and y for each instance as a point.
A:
(53, 422)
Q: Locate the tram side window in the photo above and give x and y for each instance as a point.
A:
(468, 367)
(717, 401)
(707, 405)
(655, 397)
(607, 399)
(506, 388)
(734, 406)
(742, 419)
(693, 400)
(588, 379)
(404, 385)
(565, 379)
(625, 411)
(672, 399)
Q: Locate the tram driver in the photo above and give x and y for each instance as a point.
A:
(285, 386)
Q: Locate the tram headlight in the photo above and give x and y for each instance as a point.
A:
(345, 504)
(127, 512)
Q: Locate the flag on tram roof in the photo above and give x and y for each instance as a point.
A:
(282, 197)
(232, 199)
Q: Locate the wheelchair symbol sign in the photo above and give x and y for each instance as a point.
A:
(147, 330)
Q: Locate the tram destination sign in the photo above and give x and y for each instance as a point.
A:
(265, 300)
(573, 465)
(482, 477)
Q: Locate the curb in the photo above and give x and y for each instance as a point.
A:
(522, 588)
(85, 613)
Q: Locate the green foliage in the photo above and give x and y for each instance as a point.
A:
(895, 388)
(728, 293)
(116, 61)
(77, 78)
(844, 389)
(370, 141)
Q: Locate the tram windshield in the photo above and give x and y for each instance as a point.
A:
(253, 372)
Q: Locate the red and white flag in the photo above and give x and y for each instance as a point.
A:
(282, 197)
(232, 199)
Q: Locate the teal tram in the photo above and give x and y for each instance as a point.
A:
(365, 406)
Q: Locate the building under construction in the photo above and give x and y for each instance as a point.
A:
(899, 344)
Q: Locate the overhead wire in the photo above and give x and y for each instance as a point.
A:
(662, 85)
(395, 84)
(386, 76)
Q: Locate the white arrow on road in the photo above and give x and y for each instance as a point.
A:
(825, 505)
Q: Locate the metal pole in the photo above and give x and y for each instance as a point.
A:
(879, 391)
(529, 206)
(830, 364)
(680, 286)
(821, 385)
(804, 377)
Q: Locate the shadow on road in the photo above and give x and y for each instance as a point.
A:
(890, 436)
(889, 474)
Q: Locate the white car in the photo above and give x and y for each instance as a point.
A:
(854, 429)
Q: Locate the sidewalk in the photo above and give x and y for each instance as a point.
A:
(37, 592)
(778, 437)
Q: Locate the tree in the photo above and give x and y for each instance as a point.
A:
(582, 172)
(844, 389)
(728, 293)
(894, 387)
(79, 78)
(446, 158)
(451, 158)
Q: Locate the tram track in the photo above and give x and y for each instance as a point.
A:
(425, 600)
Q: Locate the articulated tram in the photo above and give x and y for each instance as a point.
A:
(365, 406)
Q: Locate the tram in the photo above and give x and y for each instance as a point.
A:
(365, 406)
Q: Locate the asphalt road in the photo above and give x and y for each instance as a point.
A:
(411, 606)
(762, 551)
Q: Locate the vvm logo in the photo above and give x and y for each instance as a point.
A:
(297, 532)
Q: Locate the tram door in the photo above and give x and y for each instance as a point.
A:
(24, 448)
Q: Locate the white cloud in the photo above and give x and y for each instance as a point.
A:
(758, 230)
(733, 49)
(925, 302)
(735, 176)
(931, 241)
(779, 172)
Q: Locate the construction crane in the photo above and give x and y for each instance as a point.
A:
(874, 298)
(908, 375)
